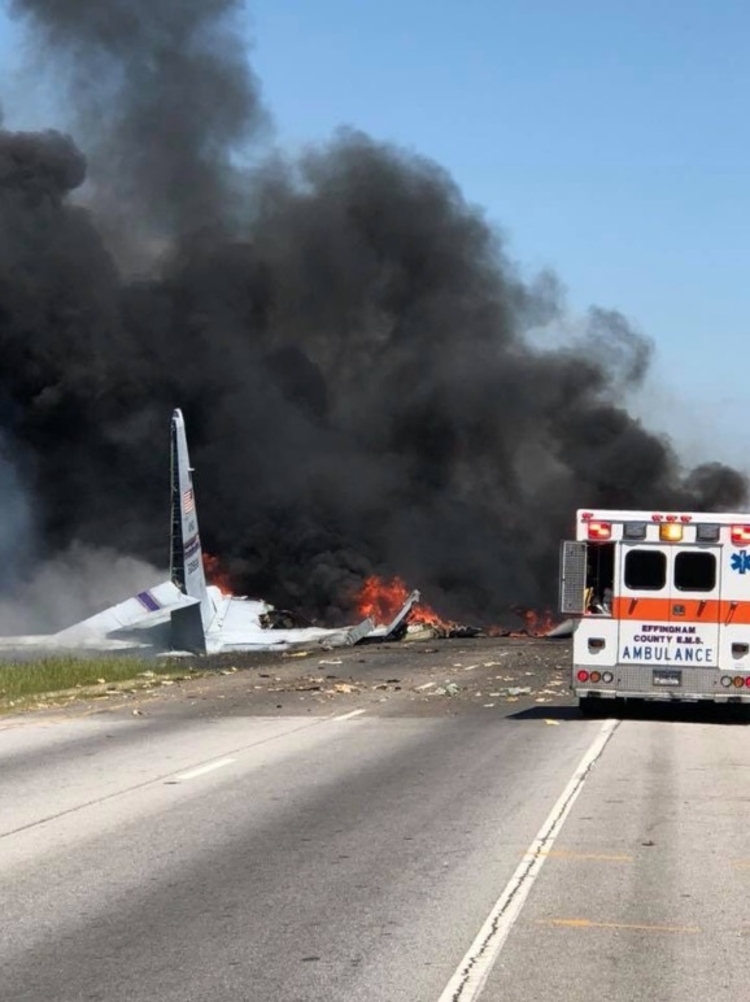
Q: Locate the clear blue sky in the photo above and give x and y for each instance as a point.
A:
(609, 140)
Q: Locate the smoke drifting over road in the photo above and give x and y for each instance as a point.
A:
(344, 333)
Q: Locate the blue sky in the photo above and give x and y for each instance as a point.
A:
(608, 140)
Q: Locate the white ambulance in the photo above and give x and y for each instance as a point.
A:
(661, 606)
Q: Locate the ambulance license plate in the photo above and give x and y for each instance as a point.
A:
(667, 676)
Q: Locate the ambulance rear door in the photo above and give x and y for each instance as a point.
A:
(695, 607)
(668, 608)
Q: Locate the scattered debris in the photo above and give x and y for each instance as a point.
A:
(519, 690)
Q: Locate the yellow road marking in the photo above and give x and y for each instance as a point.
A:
(604, 857)
(582, 923)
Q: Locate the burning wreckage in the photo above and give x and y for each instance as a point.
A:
(188, 614)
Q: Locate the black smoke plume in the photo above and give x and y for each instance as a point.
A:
(344, 333)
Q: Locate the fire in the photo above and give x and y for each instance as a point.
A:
(381, 600)
(536, 624)
(216, 575)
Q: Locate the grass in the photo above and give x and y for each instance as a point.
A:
(63, 679)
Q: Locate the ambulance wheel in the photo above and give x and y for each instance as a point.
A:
(589, 706)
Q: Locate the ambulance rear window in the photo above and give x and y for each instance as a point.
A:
(645, 570)
(695, 571)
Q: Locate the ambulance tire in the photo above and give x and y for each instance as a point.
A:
(590, 706)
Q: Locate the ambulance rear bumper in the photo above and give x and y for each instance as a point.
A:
(663, 697)
(665, 685)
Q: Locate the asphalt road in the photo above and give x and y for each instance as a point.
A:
(417, 822)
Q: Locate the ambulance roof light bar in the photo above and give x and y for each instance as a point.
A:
(670, 532)
(707, 532)
(600, 530)
(740, 535)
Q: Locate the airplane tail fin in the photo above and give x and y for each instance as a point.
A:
(186, 555)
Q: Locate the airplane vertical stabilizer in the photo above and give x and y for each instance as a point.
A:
(186, 555)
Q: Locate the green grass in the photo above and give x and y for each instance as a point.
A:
(23, 683)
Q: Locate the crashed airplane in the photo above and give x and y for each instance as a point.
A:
(187, 614)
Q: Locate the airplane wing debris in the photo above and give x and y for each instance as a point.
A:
(184, 614)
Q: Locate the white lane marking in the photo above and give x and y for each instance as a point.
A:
(203, 769)
(471, 974)
(348, 716)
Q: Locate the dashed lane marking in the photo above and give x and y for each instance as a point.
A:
(583, 923)
(584, 856)
(203, 769)
(348, 716)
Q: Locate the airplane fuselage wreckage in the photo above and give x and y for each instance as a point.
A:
(187, 614)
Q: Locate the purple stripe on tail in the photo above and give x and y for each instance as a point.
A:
(147, 599)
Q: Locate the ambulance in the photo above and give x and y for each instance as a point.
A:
(661, 606)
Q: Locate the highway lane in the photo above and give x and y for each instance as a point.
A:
(356, 855)
(645, 895)
(331, 859)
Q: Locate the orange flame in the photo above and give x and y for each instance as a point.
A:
(381, 601)
(536, 624)
(216, 575)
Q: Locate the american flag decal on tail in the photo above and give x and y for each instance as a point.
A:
(188, 501)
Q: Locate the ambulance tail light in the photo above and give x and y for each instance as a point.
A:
(607, 677)
(740, 535)
(670, 532)
(582, 675)
(736, 681)
(600, 530)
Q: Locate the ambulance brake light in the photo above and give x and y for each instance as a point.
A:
(740, 534)
(670, 532)
(600, 530)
